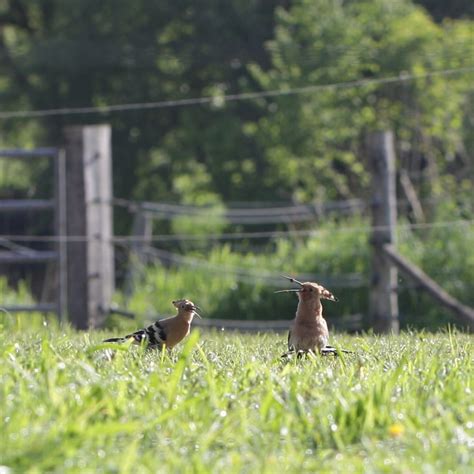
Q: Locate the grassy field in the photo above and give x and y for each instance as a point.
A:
(227, 403)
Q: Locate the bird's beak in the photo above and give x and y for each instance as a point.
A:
(293, 280)
(195, 308)
(291, 290)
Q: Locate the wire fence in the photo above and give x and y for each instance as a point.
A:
(267, 277)
(248, 275)
(219, 100)
(129, 239)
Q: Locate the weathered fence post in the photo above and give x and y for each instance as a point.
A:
(142, 233)
(383, 300)
(61, 231)
(90, 264)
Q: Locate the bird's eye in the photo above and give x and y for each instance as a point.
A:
(182, 306)
(310, 289)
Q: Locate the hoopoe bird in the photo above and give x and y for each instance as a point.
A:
(309, 331)
(166, 332)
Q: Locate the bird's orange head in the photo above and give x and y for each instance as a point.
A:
(186, 306)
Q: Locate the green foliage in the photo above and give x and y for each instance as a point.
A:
(305, 147)
(24, 321)
(445, 255)
(239, 285)
(79, 53)
(227, 403)
(20, 295)
(313, 143)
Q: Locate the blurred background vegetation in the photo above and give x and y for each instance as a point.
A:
(282, 149)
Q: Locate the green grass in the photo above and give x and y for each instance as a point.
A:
(226, 403)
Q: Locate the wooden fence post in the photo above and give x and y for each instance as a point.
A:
(142, 233)
(383, 300)
(61, 231)
(90, 265)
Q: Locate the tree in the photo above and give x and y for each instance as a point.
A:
(440, 9)
(58, 53)
(313, 143)
(79, 53)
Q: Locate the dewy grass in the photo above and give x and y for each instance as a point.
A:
(227, 403)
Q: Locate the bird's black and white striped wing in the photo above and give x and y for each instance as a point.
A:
(154, 336)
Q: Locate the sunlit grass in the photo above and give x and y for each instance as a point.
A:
(226, 402)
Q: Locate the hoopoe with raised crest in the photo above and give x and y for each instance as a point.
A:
(309, 332)
(166, 332)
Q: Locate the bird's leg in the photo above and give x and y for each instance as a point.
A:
(299, 354)
(326, 351)
(287, 355)
(329, 350)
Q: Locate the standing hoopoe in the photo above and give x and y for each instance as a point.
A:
(166, 332)
(309, 331)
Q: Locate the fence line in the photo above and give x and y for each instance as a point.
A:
(347, 323)
(125, 239)
(172, 210)
(260, 215)
(248, 275)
